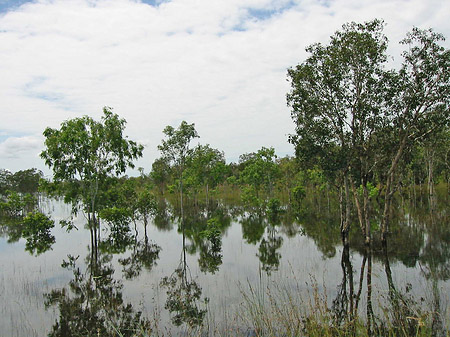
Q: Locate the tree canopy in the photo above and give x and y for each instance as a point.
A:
(355, 118)
(84, 152)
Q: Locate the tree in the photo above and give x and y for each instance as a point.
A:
(260, 170)
(26, 181)
(83, 153)
(160, 173)
(353, 116)
(175, 149)
(336, 101)
(418, 99)
(207, 167)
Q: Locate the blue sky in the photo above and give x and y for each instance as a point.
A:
(6, 5)
(220, 64)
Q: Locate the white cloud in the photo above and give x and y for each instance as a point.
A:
(212, 62)
(13, 148)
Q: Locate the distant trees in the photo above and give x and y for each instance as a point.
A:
(259, 172)
(206, 168)
(355, 119)
(17, 192)
(23, 181)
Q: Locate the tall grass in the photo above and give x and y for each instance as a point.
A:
(282, 311)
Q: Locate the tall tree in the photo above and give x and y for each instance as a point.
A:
(419, 102)
(336, 102)
(83, 153)
(207, 167)
(353, 117)
(175, 149)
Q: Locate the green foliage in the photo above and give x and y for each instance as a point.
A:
(175, 148)
(160, 174)
(299, 193)
(146, 205)
(206, 167)
(232, 180)
(83, 153)
(26, 181)
(17, 204)
(119, 237)
(355, 119)
(36, 231)
(259, 170)
(249, 197)
(372, 190)
(5, 181)
(337, 98)
(273, 208)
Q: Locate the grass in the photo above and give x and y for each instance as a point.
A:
(280, 310)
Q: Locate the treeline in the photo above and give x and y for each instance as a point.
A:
(256, 179)
(23, 181)
(18, 191)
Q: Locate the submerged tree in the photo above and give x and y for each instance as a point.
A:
(336, 101)
(207, 168)
(419, 103)
(175, 149)
(83, 153)
(259, 173)
(354, 118)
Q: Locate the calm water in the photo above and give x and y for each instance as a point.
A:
(286, 252)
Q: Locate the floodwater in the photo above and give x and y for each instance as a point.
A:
(212, 267)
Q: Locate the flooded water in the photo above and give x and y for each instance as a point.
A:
(180, 275)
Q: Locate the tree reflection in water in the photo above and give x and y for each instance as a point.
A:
(210, 257)
(263, 229)
(93, 304)
(144, 255)
(184, 293)
(435, 260)
(400, 314)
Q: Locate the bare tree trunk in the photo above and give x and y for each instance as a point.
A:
(370, 315)
(429, 153)
(359, 209)
(366, 210)
(344, 201)
(390, 189)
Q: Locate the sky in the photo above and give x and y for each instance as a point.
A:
(221, 64)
